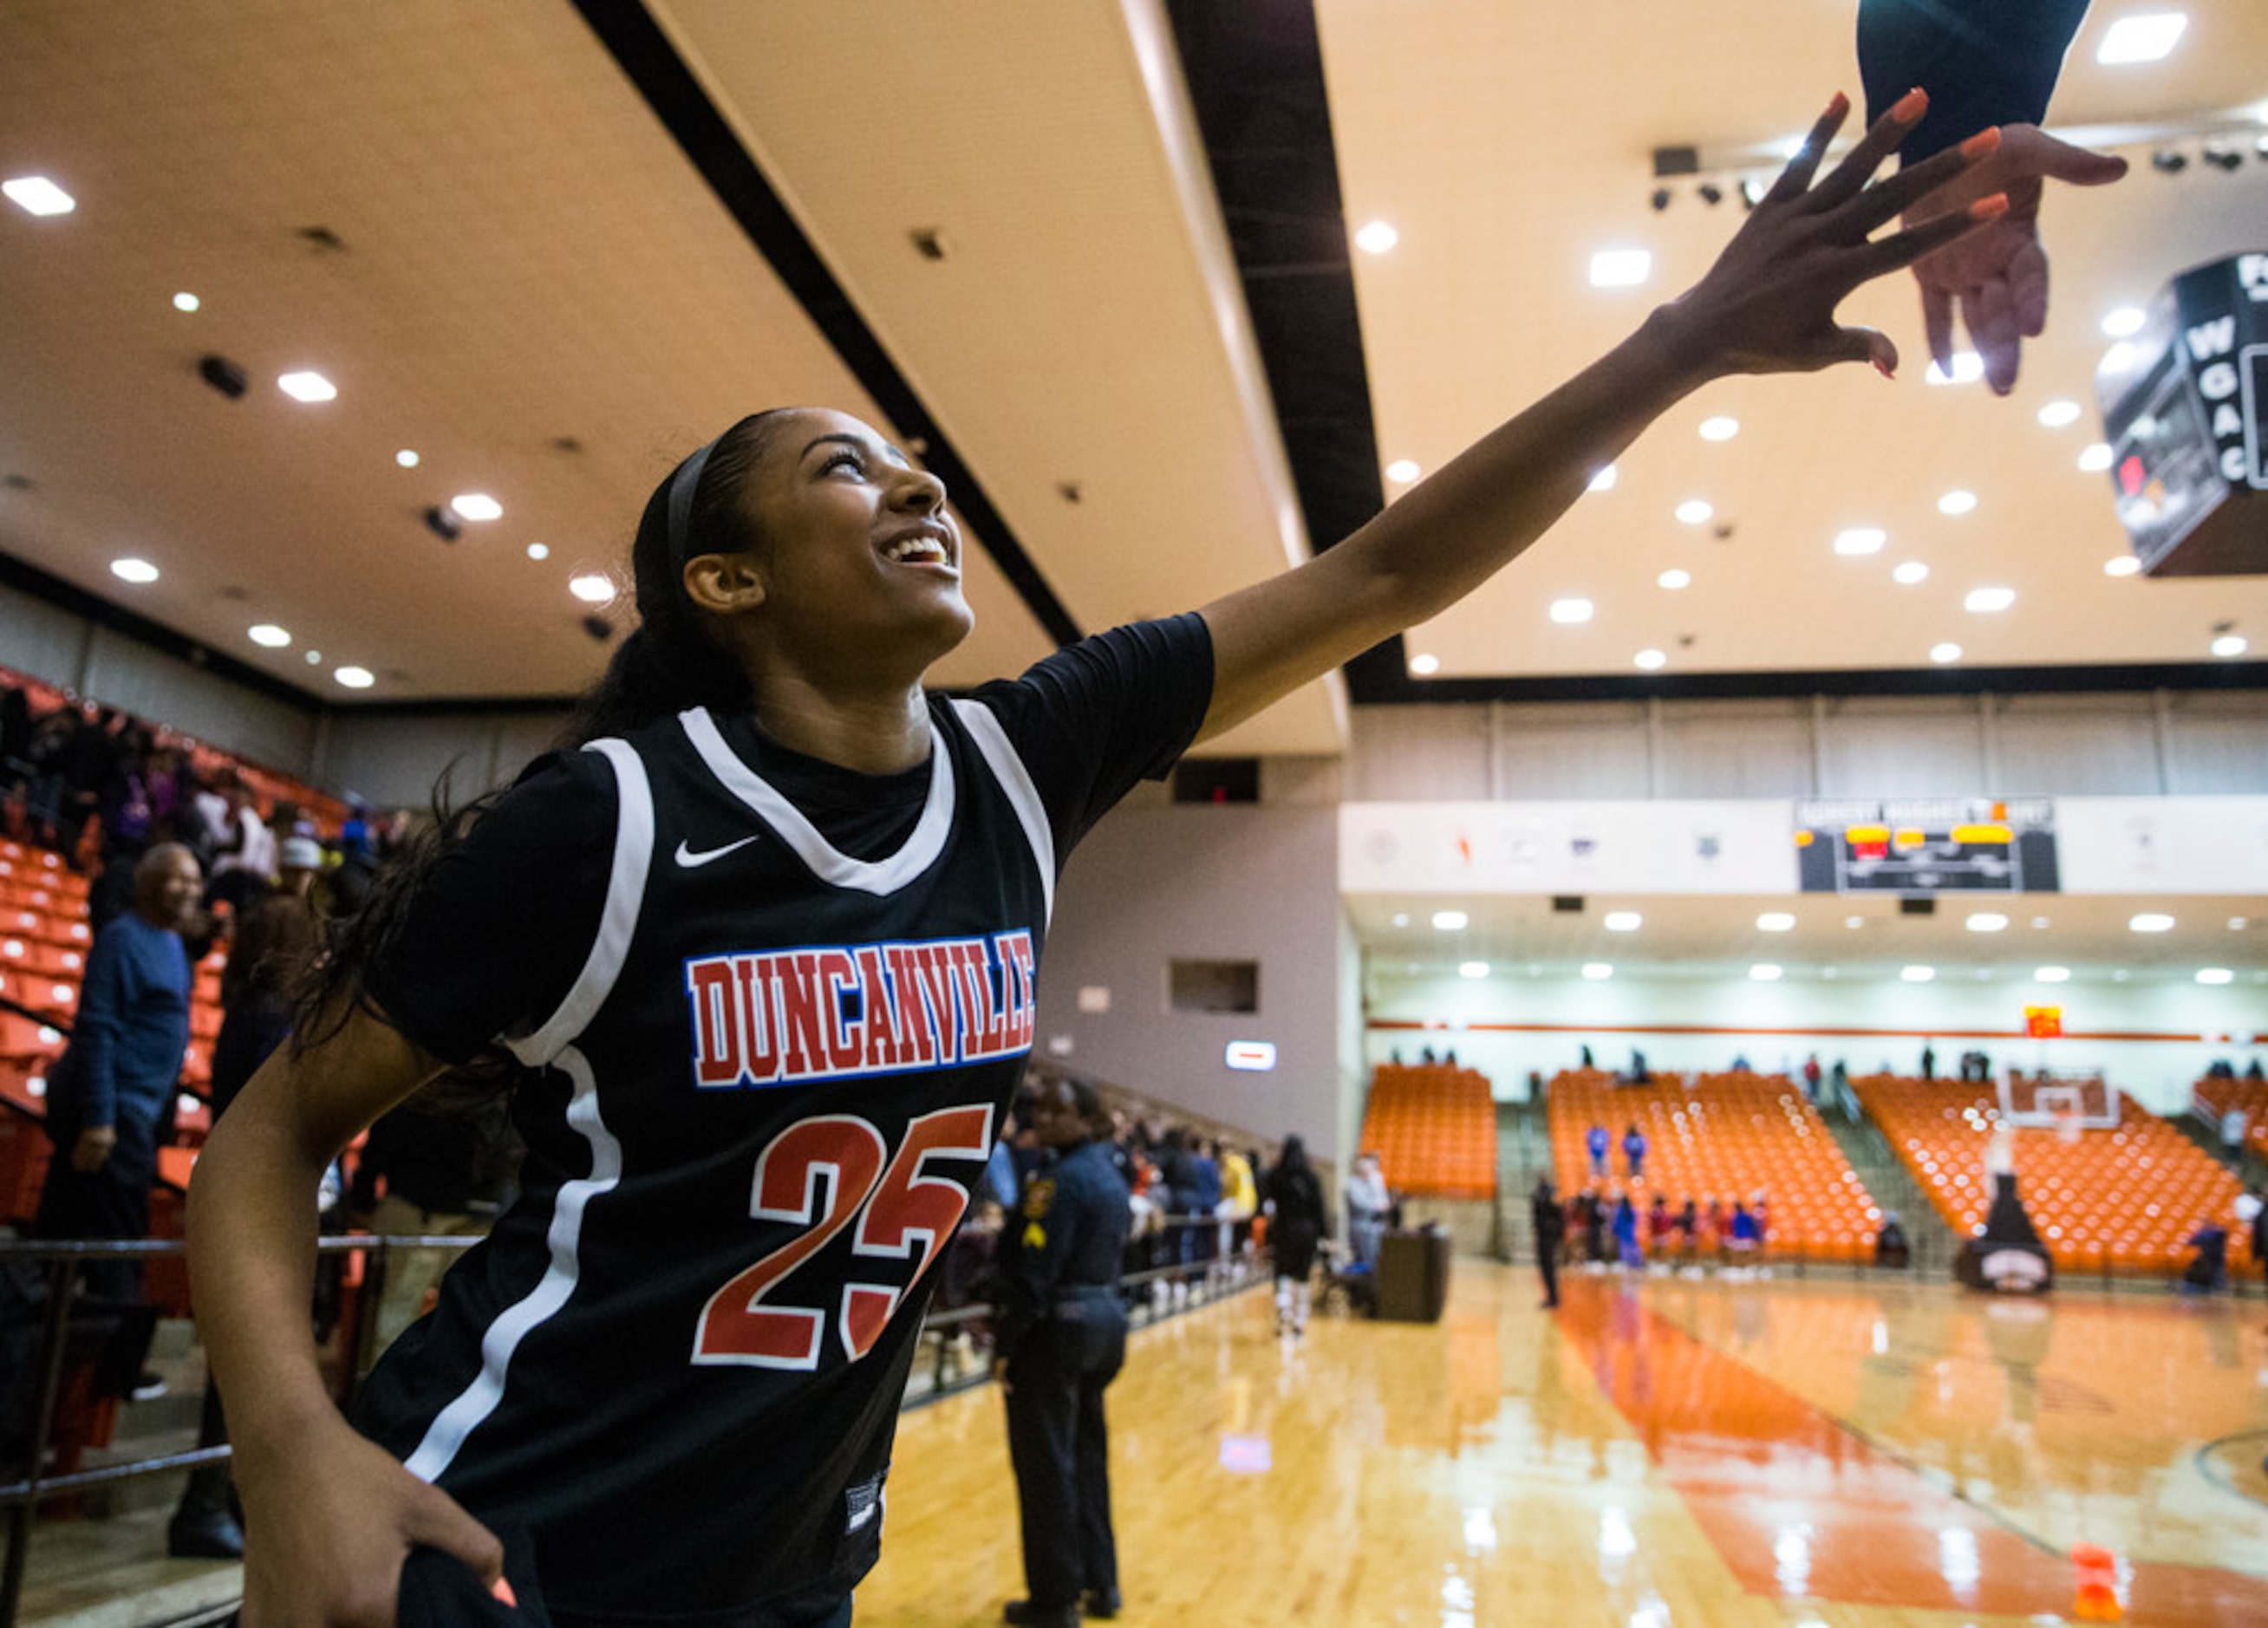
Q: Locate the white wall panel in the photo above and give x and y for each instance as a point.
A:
(1891, 747)
(1584, 749)
(125, 672)
(38, 639)
(1735, 749)
(2100, 746)
(2217, 744)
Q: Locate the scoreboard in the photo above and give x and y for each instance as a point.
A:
(1926, 845)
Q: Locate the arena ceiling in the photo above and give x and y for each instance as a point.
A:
(550, 247)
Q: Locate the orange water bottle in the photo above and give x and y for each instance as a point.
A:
(2098, 1585)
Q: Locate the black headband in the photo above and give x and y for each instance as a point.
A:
(681, 487)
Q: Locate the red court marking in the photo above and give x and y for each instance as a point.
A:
(1438, 1026)
(1797, 1506)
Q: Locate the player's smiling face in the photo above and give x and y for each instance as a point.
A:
(857, 547)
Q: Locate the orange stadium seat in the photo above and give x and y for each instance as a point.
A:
(1433, 1128)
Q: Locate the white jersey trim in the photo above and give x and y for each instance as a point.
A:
(464, 1415)
(618, 924)
(1016, 783)
(824, 860)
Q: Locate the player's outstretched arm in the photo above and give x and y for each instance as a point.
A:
(329, 1517)
(1766, 305)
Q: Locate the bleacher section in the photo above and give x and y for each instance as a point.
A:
(1726, 1137)
(2120, 1201)
(2216, 1097)
(1433, 1128)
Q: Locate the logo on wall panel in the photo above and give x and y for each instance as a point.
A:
(1926, 845)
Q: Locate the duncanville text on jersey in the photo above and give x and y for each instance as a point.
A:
(834, 1011)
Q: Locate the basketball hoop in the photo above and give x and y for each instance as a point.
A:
(2068, 1126)
(2067, 1102)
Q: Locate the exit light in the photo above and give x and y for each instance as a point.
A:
(1253, 1056)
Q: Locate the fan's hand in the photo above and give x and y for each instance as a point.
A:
(1997, 276)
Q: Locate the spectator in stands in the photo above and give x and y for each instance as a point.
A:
(113, 1084)
(1838, 1081)
(1625, 1230)
(1576, 1217)
(1812, 1074)
(244, 856)
(1239, 1201)
(1638, 1074)
(1688, 1225)
(1200, 1240)
(1587, 1063)
(1742, 1240)
(43, 804)
(1928, 1061)
(2253, 1071)
(89, 760)
(1550, 1234)
(2233, 1126)
(2252, 1213)
(1892, 1250)
(1740, 1064)
(2208, 1274)
(1368, 1205)
(1634, 1150)
(1596, 1141)
(1297, 1222)
(1660, 1227)
(1596, 1216)
(15, 741)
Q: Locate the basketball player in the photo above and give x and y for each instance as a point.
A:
(765, 951)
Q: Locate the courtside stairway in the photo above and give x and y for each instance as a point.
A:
(1868, 1150)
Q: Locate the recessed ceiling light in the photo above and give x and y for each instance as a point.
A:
(406, 458)
(2096, 459)
(2150, 921)
(186, 301)
(355, 678)
(1776, 921)
(1674, 578)
(1956, 501)
(1854, 921)
(2215, 975)
(1968, 368)
(2124, 322)
(1987, 921)
(538, 550)
(314, 657)
(1571, 610)
(1598, 970)
(1402, 471)
(307, 387)
(1986, 601)
(269, 635)
(591, 588)
(1621, 268)
(132, 570)
(1917, 975)
(1862, 540)
(1425, 665)
(2058, 413)
(1719, 428)
(1695, 512)
(476, 506)
(1945, 652)
(1623, 921)
(2229, 644)
(1450, 921)
(1909, 572)
(1651, 659)
(1472, 969)
(2121, 565)
(1376, 236)
(1603, 480)
(2143, 39)
(36, 195)
(2052, 974)
(1764, 972)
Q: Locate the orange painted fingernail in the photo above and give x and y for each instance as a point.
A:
(503, 1591)
(1989, 209)
(1909, 109)
(1981, 143)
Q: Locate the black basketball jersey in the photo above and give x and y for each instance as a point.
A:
(677, 1362)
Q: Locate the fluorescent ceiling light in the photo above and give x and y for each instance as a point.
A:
(1571, 610)
(269, 635)
(1623, 921)
(1776, 921)
(1603, 480)
(1674, 578)
(1860, 540)
(2096, 459)
(1450, 921)
(1472, 969)
(2150, 921)
(1719, 428)
(1621, 268)
(1918, 975)
(307, 387)
(355, 678)
(2215, 975)
(1764, 972)
(1987, 921)
(2121, 565)
(1946, 653)
(132, 570)
(476, 506)
(1597, 971)
(36, 195)
(2057, 414)
(1910, 572)
(1402, 471)
(1425, 665)
(2124, 322)
(1376, 236)
(1986, 601)
(1651, 659)
(2144, 39)
(591, 588)
(1956, 501)
(1695, 512)
(1968, 368)
(2229, 644)
(2052, 974)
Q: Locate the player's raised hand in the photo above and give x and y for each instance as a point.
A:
(1768, 304)
(1996, 278)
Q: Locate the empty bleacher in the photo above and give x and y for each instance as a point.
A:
(1725, 1136)
(2120, 1201)
(1433, 1128)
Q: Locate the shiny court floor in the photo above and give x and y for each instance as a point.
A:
(1671, 1452)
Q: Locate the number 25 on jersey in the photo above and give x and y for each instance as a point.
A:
(895, 1207)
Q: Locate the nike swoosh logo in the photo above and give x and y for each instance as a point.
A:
(689, 860)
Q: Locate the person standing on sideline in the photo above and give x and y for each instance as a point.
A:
(1297, 1222)
(1625, 1229)
(1596, 1141)
(1062, 1341)
(1368, 1205)
(1550, 1233)
(1928, 1061)
(108, 1093)
(1634, 1150)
